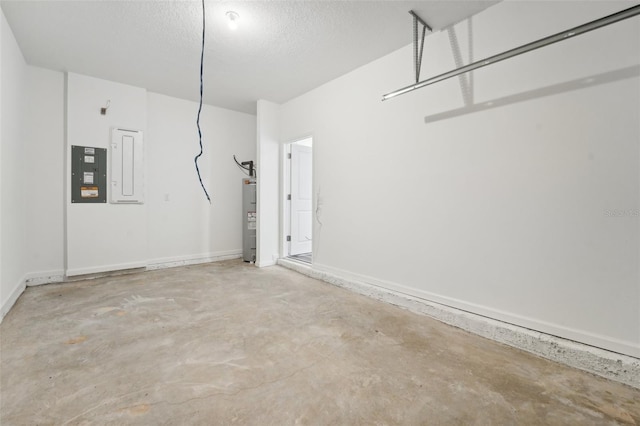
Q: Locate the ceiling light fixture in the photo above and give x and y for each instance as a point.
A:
(233, 19)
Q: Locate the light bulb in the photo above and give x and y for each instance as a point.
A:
(233, 19)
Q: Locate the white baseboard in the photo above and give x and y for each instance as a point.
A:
(611, 365)
(161, 263)
(44, 277)
(599, 341)
(58, 276)
(13, 298)
(172, 262)
(105, 268)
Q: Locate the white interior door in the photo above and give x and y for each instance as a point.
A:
(301, 199)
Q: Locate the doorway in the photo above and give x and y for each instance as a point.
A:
(300, 200)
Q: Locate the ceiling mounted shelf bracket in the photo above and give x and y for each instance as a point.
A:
(417, 52)
(561, 36)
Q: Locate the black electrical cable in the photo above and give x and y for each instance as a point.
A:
(200, 107)
(239, 165)
(244, 171)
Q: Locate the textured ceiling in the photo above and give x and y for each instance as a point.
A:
(281, 49)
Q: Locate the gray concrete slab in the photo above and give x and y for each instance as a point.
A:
(228, 343)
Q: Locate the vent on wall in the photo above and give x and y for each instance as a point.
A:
(127, 166)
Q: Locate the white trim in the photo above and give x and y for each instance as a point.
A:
(285, 188)
(285, 210)
(266, 263)
(105, 268)
(603, 362)
(194, 259)
(44, 277)
(13, 298)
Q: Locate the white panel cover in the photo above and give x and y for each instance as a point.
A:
(126, 166)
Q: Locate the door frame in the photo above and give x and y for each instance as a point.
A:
(285, 188)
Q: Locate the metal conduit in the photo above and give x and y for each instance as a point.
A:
(590, 26)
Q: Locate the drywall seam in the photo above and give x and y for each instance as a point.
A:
(172, 262)
(13, 298)
(611, 365)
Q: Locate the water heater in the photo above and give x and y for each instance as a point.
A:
(249, 220)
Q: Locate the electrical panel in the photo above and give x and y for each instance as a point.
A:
(127, 165)
(88, 174)
(249, 221)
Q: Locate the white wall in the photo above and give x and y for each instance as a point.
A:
(525, 209)
(183, 226)
(13, 223)
(103, 237)
(268, 193)
(176, 224)
(39, 243)
(45, 148)
(3, 25)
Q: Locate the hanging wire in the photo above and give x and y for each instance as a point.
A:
(250, 171)
(200, 107)
(245, 169)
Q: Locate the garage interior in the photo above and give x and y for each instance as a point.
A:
(322, 212)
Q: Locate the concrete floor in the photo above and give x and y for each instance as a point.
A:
(227, 343)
